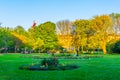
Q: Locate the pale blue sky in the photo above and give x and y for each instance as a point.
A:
(23, 12)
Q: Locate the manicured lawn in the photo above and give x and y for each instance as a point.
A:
(105, 68)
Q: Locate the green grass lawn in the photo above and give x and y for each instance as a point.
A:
(105, 68)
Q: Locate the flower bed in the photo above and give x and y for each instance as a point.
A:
(49, 64)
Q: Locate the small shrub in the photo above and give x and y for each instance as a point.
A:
(50, 62)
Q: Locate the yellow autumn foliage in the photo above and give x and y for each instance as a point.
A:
(23, 38)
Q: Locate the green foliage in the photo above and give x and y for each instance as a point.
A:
(80, 37)
(50, 62)
(47, 33)
(6, 39)
(20, 38)
(83, 35)
(20, 30)
(114, 47)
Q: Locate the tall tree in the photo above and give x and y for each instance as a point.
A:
(64, 27)
(47, 33)
(64, 30)
(21, 38)
(82, 33)
(116, 22)
(6, 39)
(102, 24)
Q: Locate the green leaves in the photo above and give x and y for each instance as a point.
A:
(93, 33)
(45, 34)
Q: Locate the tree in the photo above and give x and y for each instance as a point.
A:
(6, 39)
(81, 33)
(102, 24)
(64, 27)
(116, 22)
(34, 41)
(64, 32)
(20, 30)
(21, 38)
(46, 34)
(38, 44)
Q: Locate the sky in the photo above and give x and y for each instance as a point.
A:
(24, 12)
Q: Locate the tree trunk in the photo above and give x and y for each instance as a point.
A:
(81, 49)
(104, 48)
(15, 49)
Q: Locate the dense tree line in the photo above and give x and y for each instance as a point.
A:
(81, 35)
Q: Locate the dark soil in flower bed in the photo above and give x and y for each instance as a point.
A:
(49, 64)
